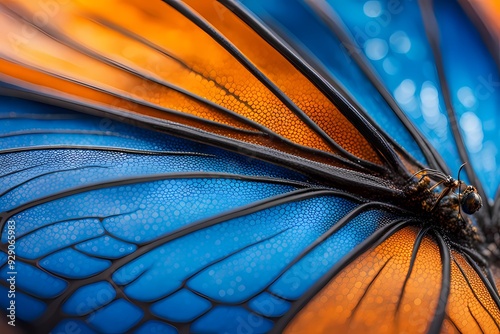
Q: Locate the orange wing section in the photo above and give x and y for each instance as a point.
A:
(470, 305)
(147, 58)
(374, 294)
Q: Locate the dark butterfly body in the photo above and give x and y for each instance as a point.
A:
(243, 167)
(471, 201)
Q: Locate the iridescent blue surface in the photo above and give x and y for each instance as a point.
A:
(106, 246)
(155, 327)
(27, 308)
(269, 305)
(73, 264)
(394, 42)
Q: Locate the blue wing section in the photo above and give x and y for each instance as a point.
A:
(123, 229)
(474, 84)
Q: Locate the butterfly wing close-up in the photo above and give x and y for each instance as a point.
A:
(249, 166)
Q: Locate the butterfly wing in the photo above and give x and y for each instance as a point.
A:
(225, 87)
(165, 230)
(168, 233)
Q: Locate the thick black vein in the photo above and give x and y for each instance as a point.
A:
(440, 312)
(344, 106)
(226, 44)
(373, 241)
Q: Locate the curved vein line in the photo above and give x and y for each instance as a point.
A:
(475, 320)
(99, 218)
(162, 51)
(356, 307)
(332, 230)
(54, 305)
(328, 90)
(453, 323)
(20, 170)
(475, 294)
(48, 173)
(176, 88)
(41, 117)
(416, 246)
(5, 284)
(176, 129)
(439, 314)
(88, 52)
(55, 131)
(119, 95)
(373, 241)
(105, 149)
(350, 162)
(185, 281)
(140, 179)
(331, 18)
(229, 47)
(432, 31)
(487, 279)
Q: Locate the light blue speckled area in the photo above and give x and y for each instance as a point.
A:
(73, 264)
(234, 259)
(106, 246)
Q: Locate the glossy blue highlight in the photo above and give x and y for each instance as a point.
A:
(117, 317)
(107, 247)
(89, 298)
(155, 327)
(182, 306)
